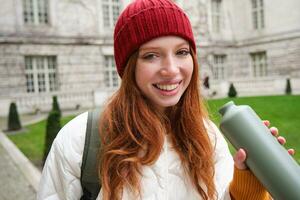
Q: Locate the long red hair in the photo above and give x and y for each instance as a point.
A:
(130, 124)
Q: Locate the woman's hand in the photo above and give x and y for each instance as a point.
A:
(240, 156)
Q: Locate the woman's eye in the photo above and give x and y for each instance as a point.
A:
(183, 52)
(149, 56)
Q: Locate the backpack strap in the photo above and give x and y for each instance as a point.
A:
(89, 173)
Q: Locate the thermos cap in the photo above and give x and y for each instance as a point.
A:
(224, 108)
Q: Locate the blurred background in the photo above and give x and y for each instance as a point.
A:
(65, 48)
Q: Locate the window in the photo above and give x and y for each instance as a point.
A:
(216, 15)
(258, 14)
(41, 75)
(219, 66)
(35, 12)
(259, 64)
(111, 77)
(111, 11)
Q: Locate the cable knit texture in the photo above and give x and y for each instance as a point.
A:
(144, 20)
(245, 186)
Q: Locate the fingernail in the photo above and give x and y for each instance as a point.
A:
(292, 151)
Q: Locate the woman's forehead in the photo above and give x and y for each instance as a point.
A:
(164, 41)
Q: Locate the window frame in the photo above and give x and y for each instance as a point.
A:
(259, 64)
(111, 77)
(36, 12)
(219, 66)
(216, 15)
(258, 14)
(109, 16)
(41, 74)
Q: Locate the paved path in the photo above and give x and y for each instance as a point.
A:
(19, 178)
(13, 183)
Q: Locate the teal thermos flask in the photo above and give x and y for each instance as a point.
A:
(267, 159)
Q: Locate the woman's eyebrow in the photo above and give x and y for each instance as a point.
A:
(150, 48)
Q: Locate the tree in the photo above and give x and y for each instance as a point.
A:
(52, 128)
(232, 91)
(288, 88)
(13, 118)
(55, 105)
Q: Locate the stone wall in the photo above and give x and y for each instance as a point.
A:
(283, 60)
(79, 70)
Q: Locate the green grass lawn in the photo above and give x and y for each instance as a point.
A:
(31, 142)
(282, 111)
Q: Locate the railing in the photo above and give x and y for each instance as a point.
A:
(260, 86)
(30, 103)
(255, 86)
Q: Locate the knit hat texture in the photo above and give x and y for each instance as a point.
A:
(144, 20)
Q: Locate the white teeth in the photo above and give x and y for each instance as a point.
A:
(167, 87)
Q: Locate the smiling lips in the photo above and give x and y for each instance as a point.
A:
(167, 87)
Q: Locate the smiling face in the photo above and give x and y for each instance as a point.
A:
(164, 69)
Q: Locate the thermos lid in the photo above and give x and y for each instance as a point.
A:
(226, 107)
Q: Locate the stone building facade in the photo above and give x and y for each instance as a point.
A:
(254, 44)
(64, 48)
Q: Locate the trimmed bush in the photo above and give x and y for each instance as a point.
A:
(13, 118)
(232, 91)
(52, 128)
(288, 88)
(55, 105)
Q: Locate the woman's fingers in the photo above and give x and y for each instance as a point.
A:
(239, 159)
(291, 152)
(274, 131)
(281, 140)
(266, 122)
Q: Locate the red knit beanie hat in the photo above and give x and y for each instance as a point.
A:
(144, 20)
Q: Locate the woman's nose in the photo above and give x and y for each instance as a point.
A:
(170, 66)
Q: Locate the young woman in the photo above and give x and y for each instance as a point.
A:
(157, 142)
